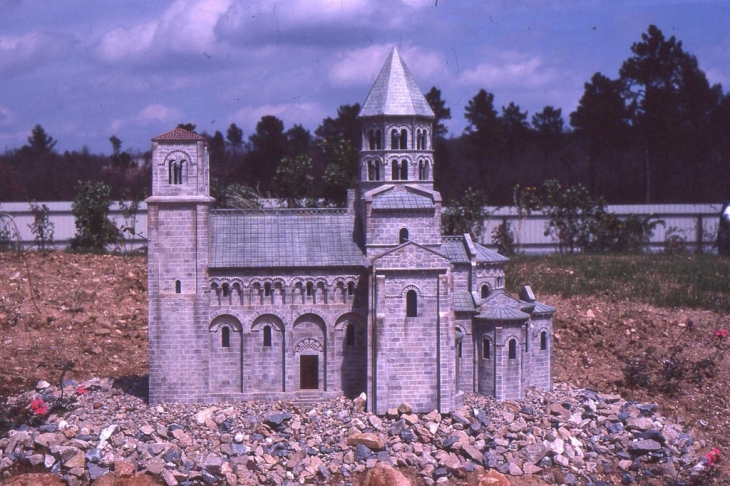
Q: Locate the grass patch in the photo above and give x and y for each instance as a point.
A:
(693, 281)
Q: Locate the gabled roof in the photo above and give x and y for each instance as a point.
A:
(284, 238)
(456, 248)
(404, 253)
(395, 92)
(541, 308)
(178, 134)
(485, 255)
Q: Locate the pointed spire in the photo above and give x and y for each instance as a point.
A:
(395, 92)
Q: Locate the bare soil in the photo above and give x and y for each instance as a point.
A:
(80, 316)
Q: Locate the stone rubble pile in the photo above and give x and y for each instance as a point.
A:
(568, 436)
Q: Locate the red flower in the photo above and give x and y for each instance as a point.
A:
(39, 406)
(82, 390)
(712, 457)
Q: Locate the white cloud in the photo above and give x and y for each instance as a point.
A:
(7, 117)
(508, 70)
(25, 52)
(361, 67)
(187, 26)
(156, 112)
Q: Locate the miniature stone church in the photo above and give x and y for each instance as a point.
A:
(307, 304)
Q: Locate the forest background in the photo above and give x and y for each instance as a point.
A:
(659, 133)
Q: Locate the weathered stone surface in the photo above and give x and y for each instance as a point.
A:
(251, 443)
(494, 478)
(384, 475)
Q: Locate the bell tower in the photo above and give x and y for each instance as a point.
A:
(178, 230)
(396, 123)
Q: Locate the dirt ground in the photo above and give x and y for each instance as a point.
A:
(80, 316)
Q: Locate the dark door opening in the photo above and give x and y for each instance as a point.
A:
(309, 372)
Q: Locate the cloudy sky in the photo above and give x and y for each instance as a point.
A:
(89, 69)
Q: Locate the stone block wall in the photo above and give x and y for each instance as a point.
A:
(383, 229)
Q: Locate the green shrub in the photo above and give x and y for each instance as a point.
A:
(90, 207)
(42, 226)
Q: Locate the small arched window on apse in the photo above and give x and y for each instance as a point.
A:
(267, 336)
(404, 139)
(178, 286)
(512, 349)
(226, 337)
(394, 140)
(486, 349)
(543, 341)
(402, 236)
(404, 170)
(485, 291)
(411, 304)
(350, 335)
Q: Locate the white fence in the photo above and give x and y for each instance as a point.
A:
(696, 223)
(65, 227)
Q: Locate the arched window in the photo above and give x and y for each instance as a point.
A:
(178, 286)
(543, 341)
(404, 170)
(267, 289)
(373, 170)
(175, 172)
(421, 171)
(378, 142)
(486, 349)
(485, 291)
(419, 140)
(512, 349)
(225, 337)
(394, 139)
(411, 304)
(310, 289)
(350, 335)
(267, 336)
(403, 236)
(371, 140)
(424, 141)
(396, 171)
(226, 290)
(351, 289)
(403, 139)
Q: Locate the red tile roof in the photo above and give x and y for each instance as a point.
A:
(178, 134)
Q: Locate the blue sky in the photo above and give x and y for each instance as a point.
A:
(89, 69)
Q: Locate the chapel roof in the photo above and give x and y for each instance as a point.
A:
(463, 301)
(178, 134)
(395, 92)
(284, 238)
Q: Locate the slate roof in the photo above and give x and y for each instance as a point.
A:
(395, 92)
(178, 134)
(402, 200)
(485, 255)
(284, 238)
(541, 308)
(463, 301)
(454, 249)
(502, 313)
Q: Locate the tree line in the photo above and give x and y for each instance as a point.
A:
(657, 133)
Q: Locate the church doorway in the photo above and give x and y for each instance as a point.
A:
(309, 372)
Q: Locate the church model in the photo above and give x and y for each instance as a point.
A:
(307, 304)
